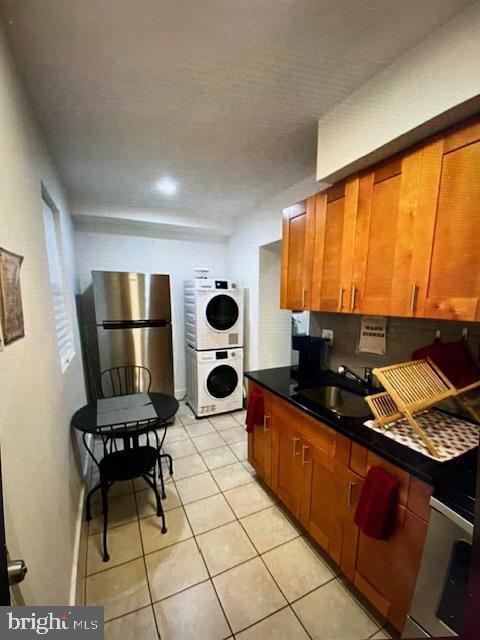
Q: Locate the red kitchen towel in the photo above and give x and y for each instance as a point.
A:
(255, 410)
(453, 359)
(375, 512)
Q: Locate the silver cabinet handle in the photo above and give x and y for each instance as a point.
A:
(350, 492)
(353, 294)
(413, 298)
(303, 298)
(340, 298)
(304, 450)
(295, 452)
(266, 418)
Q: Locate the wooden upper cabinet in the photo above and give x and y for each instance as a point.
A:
(399, 240)
(382, 282)
(297, 250)
(447, 248)
(335, 218)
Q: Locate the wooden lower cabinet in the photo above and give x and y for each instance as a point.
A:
(317, 512)
(347, 487)
(386, 570)
(286, 461)
(318, 475)
(259, 442)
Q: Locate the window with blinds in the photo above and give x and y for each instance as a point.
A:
(61, 318)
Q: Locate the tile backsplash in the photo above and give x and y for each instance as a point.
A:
(404, 335)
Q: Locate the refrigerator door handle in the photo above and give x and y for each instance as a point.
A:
(134, 324)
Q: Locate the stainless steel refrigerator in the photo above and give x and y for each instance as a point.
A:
(134, 324)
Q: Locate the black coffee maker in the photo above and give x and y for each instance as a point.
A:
(313, 354)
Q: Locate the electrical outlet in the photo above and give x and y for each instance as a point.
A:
(328, 333)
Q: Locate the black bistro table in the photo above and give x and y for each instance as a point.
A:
(125, 418)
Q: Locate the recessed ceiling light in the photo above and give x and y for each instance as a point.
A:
(167, 186)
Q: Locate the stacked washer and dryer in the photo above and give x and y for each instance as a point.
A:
(214, 345)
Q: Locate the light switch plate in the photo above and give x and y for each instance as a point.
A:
(328, 333)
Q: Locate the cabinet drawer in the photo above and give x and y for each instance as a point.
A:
(419, 498)
(318, 433)
(413, 493)
(358, 459)
(403, 477)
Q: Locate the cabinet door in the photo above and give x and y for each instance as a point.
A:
(386, 570)
(318, 499)
(335, 216)
(259, 441)
(344, 541)
(286, 459)
(297, 248)
(383, 245)
(447, 250)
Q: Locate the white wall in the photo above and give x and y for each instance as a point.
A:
(149, 222)
(439, 79)
(178, 258)
(251, 232)
(275, 324)
(42, 485)
(429, 80)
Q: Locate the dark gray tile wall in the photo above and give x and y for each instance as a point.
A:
(404, 335)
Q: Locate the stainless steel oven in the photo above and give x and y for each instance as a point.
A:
(439, 601)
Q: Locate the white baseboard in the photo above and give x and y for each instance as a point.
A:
(80, 539)
(76, 547)
(180, 393)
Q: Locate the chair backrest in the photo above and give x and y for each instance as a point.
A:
(121, 381)
(132, 436)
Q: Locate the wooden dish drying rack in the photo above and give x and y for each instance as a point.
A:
(412, 387)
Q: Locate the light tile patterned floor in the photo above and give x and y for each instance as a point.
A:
(232, 565)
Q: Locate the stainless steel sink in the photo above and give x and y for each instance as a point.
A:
(337, 400)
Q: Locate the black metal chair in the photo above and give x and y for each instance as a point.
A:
(128, 379)
(134, 460)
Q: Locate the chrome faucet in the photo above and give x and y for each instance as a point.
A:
(366, 381)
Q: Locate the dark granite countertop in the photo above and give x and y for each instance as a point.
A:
(284, 382)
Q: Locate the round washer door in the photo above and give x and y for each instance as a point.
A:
(222, 381)
(221, 312)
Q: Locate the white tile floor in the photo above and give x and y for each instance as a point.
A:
(232, 565)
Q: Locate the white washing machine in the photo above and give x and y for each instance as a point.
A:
(214, 381)
(213, 314)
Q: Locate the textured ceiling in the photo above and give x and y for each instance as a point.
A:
(222, 95)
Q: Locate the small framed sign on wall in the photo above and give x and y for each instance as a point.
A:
(11, 310)
(373, 335)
